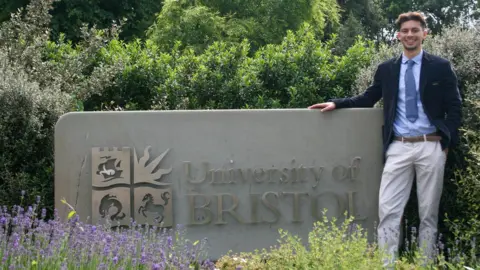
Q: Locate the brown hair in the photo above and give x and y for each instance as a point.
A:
(415, 16)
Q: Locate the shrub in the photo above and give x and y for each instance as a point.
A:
(331, 245)
(205, 81)
(143, 68)
(28, 114)
(303, 70)
(40, 81)
(295, 73)
(339, 244)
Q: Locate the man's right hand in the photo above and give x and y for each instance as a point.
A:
(327, 106)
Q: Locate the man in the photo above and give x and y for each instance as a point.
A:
(422, 114)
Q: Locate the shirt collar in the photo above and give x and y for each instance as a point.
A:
(417, 59)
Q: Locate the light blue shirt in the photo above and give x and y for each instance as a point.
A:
(402, 126)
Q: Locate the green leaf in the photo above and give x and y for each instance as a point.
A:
(70, 215)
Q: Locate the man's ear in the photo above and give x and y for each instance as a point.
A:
(425, 33)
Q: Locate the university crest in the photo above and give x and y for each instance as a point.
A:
(126, 186)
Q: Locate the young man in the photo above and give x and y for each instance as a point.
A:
(422, 114)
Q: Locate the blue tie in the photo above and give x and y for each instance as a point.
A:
(411, 93)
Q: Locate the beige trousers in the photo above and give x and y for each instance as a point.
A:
(403, 160)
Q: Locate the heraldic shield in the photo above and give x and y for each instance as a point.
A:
(118, 197)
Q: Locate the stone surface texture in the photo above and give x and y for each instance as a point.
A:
(233, 176)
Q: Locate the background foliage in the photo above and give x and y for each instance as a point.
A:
(41, 80)
(214, 54)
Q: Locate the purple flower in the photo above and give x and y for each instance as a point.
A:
(143, 258)
(209, 264)
(106, 250)
(16, 239)
(169, 241)
(5, 256)
(82, 243)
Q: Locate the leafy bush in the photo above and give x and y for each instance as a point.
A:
(206, 81)
(293, 74)
(461, 197)
(40, 81)
(336, 245)
(331, 245)
(28, 114)
(143, 68)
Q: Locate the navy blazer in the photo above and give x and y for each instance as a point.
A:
(439, 94)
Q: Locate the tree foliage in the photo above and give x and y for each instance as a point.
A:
(9, 6)
(69, 16)
(261, 22)
(197, 24)
(367, 14)
(440, 13)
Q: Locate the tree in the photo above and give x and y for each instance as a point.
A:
(197, 24)
(368, 13)
(348, 33)
(69, 15)
(439, 13)
(9, 6)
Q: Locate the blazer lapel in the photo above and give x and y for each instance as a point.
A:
(396, 77)
(423, 73)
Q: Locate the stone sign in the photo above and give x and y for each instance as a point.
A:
(233, 176)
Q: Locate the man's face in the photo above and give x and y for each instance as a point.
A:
(411, 35)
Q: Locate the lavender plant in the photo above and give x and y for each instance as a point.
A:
(29, 241)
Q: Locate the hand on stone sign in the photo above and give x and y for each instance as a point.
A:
(327, 106)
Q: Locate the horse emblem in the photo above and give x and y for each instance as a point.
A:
(150, 206)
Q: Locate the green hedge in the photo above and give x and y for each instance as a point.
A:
(299, 71)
